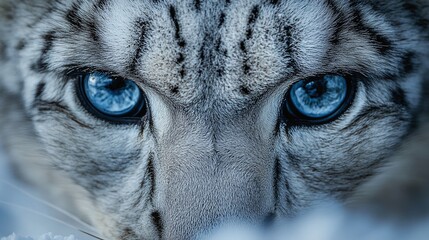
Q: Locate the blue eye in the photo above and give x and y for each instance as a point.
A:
(319, 99)
(112, 98)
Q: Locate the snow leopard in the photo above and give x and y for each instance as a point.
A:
(163, 119)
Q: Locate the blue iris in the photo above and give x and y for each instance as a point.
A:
(319, 98)
(112, 96)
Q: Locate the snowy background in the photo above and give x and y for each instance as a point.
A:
(22, 213)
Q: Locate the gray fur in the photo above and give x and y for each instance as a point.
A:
(215, 73)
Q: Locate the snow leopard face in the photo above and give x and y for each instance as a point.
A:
(176, 116)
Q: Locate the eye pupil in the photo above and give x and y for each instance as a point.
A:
(315, 89)
(116, 86)
(111, 98)
(317, 100)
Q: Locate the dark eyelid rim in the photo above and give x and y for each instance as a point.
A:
(76, 72)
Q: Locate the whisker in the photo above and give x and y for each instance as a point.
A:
(48, 217)
(91, 235)
(46, 203)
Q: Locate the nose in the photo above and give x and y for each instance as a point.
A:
(199, 200)
(207, 183)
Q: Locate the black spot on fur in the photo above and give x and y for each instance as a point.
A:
(274, 2)
(182, 72)
(197, 4)
(221, 19)
(398, 97)
(182, 43)
(220, 71)
(246, 67)
(180, 58)
(21, 45)
(218, 44)
(244, 89)
(143, 26)
(174, 89)
(243, 47)
(157, 221)
(225, 52)
(73, 17)
(39, 90)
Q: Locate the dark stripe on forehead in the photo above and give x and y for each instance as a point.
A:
(101, 4)
(72, 16)
(42, 64)
(254, 14)
(221, 19)
(93, 30)
(339, 22)
(381, 43)
(180, 41)
(286, 39)
(178, 36)
(143, 26)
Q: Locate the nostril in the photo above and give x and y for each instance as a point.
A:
(269, 219)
